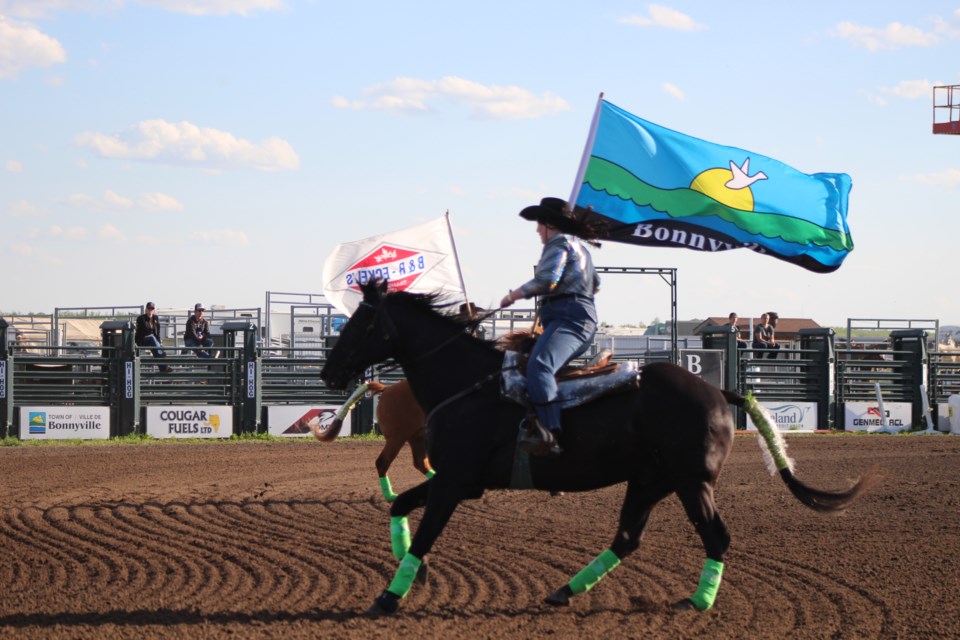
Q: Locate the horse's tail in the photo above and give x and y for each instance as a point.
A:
(775, 455)
(330, 433)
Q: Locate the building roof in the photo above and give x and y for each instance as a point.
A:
(787, 328)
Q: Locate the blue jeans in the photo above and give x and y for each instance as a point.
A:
(154, 344)
(569, 325)
(155, 347)
(193, 343)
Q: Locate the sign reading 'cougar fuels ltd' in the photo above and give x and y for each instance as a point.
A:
(203, 421)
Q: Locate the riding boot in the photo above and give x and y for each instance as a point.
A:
(538, 440)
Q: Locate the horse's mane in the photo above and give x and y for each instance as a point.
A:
(438, 304)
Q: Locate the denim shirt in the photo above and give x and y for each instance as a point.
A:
(565, 267)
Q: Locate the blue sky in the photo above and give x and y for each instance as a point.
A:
(212, 150)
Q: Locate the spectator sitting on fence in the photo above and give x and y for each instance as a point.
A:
(741, 344)
(197, 334)
(147, 333)
(763, 334)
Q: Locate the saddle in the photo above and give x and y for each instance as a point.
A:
(575, 385)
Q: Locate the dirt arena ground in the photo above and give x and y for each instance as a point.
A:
(290, 540)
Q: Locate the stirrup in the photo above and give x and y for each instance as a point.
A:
(538, 440)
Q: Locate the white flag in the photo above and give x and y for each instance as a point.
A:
(421, 259)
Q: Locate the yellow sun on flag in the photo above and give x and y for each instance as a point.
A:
(713, 183)
(729, 186)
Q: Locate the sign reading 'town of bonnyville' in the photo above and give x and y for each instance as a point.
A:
(200, 421)
(64, 423)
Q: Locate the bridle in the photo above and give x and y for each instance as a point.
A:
(390, 333)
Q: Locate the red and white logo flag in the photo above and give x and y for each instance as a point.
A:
(420, 259)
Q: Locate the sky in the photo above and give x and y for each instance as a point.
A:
(213, 150)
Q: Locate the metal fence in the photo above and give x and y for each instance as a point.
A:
(249, 377)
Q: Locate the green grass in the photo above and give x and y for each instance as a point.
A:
(148, 439)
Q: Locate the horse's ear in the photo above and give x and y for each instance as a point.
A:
(373, 291)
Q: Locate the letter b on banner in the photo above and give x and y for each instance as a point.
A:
(705, 363)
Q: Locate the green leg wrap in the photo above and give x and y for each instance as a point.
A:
(709, 585)
(591, 574)
(399, 536)
(387, 489)
(430, 474)
(406, 572)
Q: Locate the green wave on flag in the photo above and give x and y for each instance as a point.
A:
(603, 175)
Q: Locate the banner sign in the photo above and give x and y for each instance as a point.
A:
(3, 378)
(791, 416)
(865, 416)
(64, 423)
(705, 363)
(201, 421)
(293, 420)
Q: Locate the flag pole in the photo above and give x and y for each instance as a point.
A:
(456, 257)
(585, 158)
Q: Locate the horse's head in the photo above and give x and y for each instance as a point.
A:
(365, 339)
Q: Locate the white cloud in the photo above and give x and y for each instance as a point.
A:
(48, 8)
(111, 233)
(892, 36)
(486, 101)
(22, 46)
(158, 202)
(221, 237)
(73, 233)
(186, 144)
(112, 201)
(949, 179)
(13, 166)
(674, 91)
(214, 7)
(911, 89)
(664, 17)
(34, 254)
(25, 209)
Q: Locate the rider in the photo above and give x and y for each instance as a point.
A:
(566, 281)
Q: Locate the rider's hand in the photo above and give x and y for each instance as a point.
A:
(507, 299)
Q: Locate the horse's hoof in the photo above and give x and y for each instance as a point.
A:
(684, 605)
(422, 574)
(385, 604)
(556, 494)
(560, 597)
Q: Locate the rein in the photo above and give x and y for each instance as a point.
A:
(390, 331)
(476, 386)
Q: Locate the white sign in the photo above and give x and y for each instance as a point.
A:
(791, 416)
(943, 417)
(64, 423)
(201, 421)
(865, 416)
(293, 420)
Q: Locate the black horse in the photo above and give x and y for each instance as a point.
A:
(670, 434)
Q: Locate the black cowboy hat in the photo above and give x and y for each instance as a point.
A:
(553, 212)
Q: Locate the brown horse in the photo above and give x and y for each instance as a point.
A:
(401, 421)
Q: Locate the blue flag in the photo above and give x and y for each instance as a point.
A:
(654, 186)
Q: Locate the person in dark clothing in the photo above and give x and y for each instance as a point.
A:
(147, 333)
(197, 334)
(734, 318)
